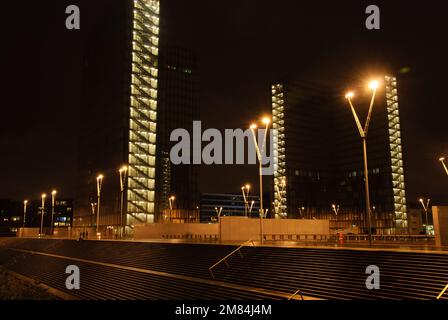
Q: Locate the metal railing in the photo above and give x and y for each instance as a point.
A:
(442, 292)
(295, 293)
(229, 255)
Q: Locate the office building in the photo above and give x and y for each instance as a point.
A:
(318, 152)
(118, 120)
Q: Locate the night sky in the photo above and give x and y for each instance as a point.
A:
(242, 47)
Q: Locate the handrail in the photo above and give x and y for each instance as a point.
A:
(295, 293)
(442, 292)
(227, 256)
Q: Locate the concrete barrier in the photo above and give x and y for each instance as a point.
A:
(236, 229)
(176, 231)
(440, 219)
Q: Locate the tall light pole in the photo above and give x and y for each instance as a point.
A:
(335, 209)
(99, 184)
(266, 122)
(42, 213)
(373, 85)
(301, 209)
(251, 206)
(425, 207)
(218, 212)
(171, 201)
(245, 197)
(93, 206)
(443, 164)
(25, 203)
(53, 196)
(123, 173)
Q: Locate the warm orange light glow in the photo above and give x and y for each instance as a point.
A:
(123, 169)
(248, 186)
(253, 126)
(99, 177)
(266, 120)
(25, 201)
(374, 84)
(421, 200)
(53, 192)
(44, 195)
(349, 95)
(442, 159)
(172, 198)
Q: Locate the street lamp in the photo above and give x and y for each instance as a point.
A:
(250, 208)
(171, 201)
(25, 203)
(218, 212)
(253, 126)
(443, 164)
(42, 213)
(99, 184)
(425, 207)
(335, 209)
(93, 206)
(123, 172)
(373, 85)
(53, 195)
(301, 209)
(245, 196)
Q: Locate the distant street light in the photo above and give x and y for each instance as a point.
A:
(42, 213)
(250, 208)
(443, 164)
(171, 201)
(335, 209)
(266, 122)
(425, 207)
(123, 173)
(301, 209)
(245, 197)
(53, 195)
(25, 203)
(99, 184)
(93, 206)
(373, 85)
(218, 211)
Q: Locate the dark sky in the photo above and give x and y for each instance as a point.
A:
(242, 46)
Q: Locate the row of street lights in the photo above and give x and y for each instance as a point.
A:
(43, 197)
(99, 184)
(245, 190)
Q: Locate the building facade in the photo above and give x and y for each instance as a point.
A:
(231, 204)
(318, 153)
(177, 108)
(119, 115)
(137, 92)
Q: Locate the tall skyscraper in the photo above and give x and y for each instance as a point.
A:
(137, 92)
(119, 115)
(318, 152)
(177, 108)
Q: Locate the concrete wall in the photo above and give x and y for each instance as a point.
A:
(440, 218)
(243, 228)
(167, 230)
(233, 229)
(28, 232)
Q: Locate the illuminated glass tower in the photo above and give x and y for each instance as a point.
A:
(318, 153)
(118, 119)
(143, 112)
